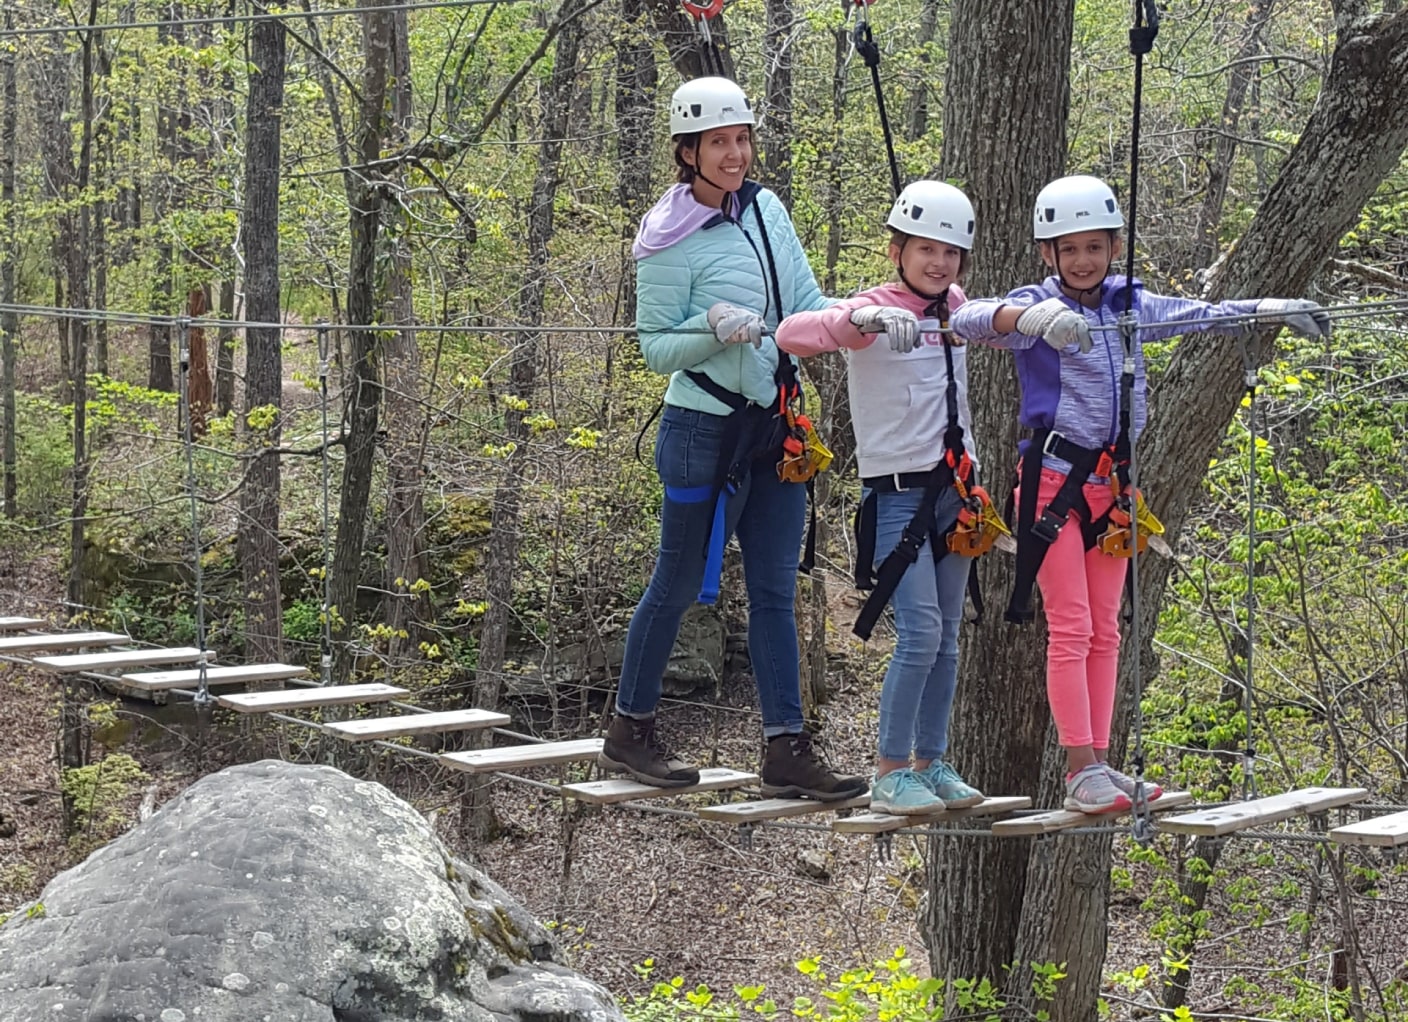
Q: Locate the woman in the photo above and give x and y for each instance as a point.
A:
(718, 266)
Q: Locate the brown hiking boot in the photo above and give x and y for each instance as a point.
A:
(632, 747)
(793, 769)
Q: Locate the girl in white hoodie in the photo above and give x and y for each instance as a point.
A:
(909, 407)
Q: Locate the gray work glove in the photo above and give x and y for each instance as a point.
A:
(1300, 315)
(1056, 324)
(734, 325)
(900, 325)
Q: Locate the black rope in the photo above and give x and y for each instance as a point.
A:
(1141, 41)
(870, 53)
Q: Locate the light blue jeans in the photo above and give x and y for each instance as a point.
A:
(917, 696)
(768, 516)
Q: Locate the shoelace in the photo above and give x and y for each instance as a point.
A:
(645, 732)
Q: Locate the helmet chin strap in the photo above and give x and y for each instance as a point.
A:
(723, 206)
(932, 298)
(1081, 292)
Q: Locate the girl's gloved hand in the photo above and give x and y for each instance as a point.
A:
(900, 325)
(1300, 315)
(1056, 324)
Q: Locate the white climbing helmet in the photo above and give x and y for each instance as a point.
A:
(935, 210)
(1069, 205)
(706, 103)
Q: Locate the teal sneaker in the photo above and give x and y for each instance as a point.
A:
(943, 781)
(902, 793)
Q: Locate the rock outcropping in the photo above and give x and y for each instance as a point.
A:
(277, 893)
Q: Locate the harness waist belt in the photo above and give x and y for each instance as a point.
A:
(898, 482)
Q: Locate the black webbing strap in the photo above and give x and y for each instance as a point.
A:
(1036, 534)
(906, 552)
(870, 53)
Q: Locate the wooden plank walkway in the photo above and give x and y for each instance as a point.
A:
(59, 640)
(1066, 819)
(881, 823)
(155, 681)
(1382, 832)
(20, 624)
(73, 663)
(1261, 811)
(306, 698)
(739, 813)
(368, 729)
(608, 792)
(513, 757)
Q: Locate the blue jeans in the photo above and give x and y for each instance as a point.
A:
(768, 516)
(917, 696)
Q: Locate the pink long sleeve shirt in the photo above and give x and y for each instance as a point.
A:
(898, 406)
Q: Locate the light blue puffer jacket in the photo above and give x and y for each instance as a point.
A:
(723, 261)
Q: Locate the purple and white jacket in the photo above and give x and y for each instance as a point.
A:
(1078, 395)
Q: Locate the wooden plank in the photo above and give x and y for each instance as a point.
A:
(880, 823)
(1065, 819)
(1382, 831)
(605, 793)
(306, 698)
(72, 663)
(512, 757)
(1261, 811)
(369, 729)
(59, 640)
(153, 681)
(20, 624)
(739, 813)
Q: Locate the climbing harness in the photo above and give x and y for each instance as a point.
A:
(976, 530)
(863, 42)
(703, 13)
(779, 433)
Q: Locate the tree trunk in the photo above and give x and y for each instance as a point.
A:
(75, 200)
(159, 367)
(365, 198)
(1004, 133)
(502, 556)
(405, 470)
(225, 340)
(56, 142)
(636, 81)
(917, 114)
(257, 539)
(9, 321)
(200, 397)
(1353, 140)
(777, 122)
(1225, 142)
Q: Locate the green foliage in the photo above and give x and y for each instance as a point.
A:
(889, 990)
(98, 793)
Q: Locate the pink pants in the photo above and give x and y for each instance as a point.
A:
(1081, 592)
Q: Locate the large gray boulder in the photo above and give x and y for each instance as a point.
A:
(289, 894)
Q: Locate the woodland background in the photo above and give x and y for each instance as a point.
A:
(466, 178)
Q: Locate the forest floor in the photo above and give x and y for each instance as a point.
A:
(688, 895)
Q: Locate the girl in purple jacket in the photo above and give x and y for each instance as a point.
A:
(1085, 411)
